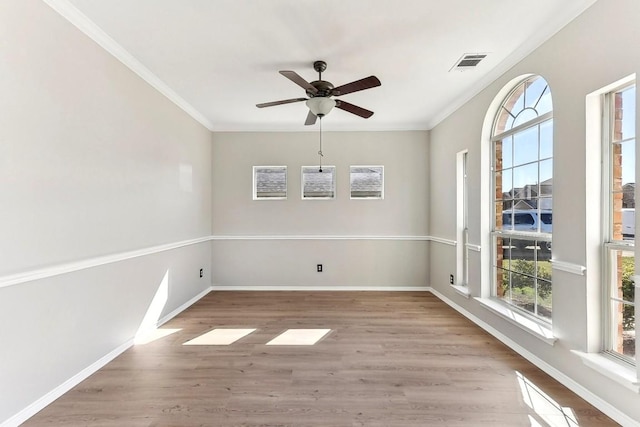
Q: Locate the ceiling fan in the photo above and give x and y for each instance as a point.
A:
(320, 93)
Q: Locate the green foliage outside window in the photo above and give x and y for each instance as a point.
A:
(628, 289)
(522, 294)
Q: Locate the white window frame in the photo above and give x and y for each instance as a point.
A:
(255, 193)
(352, 197)
(315, 169)
(611, 245)
(538, 236)
(462, 223)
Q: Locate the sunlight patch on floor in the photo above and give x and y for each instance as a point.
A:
(299, 337)
(547, 412)
(220, 337)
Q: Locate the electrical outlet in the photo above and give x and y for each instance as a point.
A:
(201, 272)
(451, 279)
(319, 268)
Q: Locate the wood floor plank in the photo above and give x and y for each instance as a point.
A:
(391, 359)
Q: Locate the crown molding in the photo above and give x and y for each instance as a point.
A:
(91, 29)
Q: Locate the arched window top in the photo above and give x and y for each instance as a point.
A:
(525, 103)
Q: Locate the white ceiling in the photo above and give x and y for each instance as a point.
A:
(218, 58)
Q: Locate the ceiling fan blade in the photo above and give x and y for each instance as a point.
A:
(354, 109)
(294, 77)
(362, 84)
(284, 101)
(311, 119)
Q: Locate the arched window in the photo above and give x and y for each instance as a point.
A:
(522, 172)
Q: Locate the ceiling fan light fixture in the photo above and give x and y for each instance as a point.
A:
(320, 105)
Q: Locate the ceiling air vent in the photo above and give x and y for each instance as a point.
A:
(468, 61)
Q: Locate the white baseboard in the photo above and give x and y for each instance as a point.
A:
(45, 400)
(320, 288)
(54, 394)
(164, 319)
(572, 385)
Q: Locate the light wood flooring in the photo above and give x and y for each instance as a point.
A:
(391, 359)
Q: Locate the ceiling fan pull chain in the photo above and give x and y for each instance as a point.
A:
(320, 151)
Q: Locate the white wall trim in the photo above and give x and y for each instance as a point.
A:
(56, 270)
(542, 332)
(320, 237)
(87, 26)
(577, 388)
(54, 394)
(164, 319)
(475, 248)
(617, 371)
(568, 267)
(70, 267)
(319, 288)
(443, 241)
(462, 290)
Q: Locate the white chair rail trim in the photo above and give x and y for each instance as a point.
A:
(56, 270)
(70, 267)
(568, 267)
(320, 237)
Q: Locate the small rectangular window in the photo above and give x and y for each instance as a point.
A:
(269, 182)
(367, 182)
(318, 183)
(619, 243)
(462, 219)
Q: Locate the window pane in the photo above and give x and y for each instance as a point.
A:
(525, 181)
(523, 292)
(316, 184)
(270, 182)
(522, 256)
(545, 203)
(533, 93)
(524, 116)
(544, 104)
(504, 184)
(504, 218)
(624, 114)
(624, 337)
(503, 279)
(525, 146)
(628, 162)
(546, 139)
(544, 260)
(544, 299)
(504, 153)
(623, 266)
(622, 294)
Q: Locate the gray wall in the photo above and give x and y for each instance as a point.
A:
(595, 50)
(90, 161)
(327, 231)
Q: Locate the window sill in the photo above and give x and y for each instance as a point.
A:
(615, 370)
(462, 290)
(538, 330)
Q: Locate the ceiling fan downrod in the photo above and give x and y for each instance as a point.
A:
(319, 66)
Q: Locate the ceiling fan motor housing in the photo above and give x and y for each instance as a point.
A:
(324, 88)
